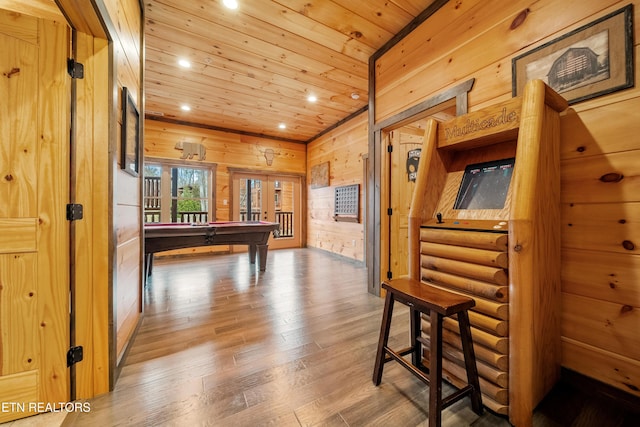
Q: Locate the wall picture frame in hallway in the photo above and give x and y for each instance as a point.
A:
(130, 144)
(593, 60)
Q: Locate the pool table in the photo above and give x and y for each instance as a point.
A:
(160, 237)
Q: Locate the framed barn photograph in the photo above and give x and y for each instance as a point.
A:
(593, 60)
(130, 158)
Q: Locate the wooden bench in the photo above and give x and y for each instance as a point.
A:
(437, 304)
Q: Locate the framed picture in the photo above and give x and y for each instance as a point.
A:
(320, 175)
(591, 61)
(130, 161)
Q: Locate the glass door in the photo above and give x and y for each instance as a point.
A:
(250, 199)
(272, 198)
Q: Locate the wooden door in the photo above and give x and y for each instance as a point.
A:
(404, 141)
(34, 238)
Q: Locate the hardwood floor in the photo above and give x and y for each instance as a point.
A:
(224, 345)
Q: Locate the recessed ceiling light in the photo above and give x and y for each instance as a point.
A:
(184, 63)
(185, 108)
(355, 95)
(231, 4)
(282, 126)
(312, 98)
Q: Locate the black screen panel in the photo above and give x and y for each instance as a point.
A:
(485, 185)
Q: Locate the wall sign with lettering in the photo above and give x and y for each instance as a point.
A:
(413, 158)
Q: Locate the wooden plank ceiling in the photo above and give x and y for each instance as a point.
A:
(254, 67)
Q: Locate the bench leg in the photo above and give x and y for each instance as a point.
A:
(384, 337)
(435, 370)
(470, 361)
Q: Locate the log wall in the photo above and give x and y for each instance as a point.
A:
(600, 291)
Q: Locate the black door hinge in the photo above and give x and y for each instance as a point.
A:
(389, 148)
(74, 211)
(75, 69)
(389, 275)
(74, 355)
(389, 211)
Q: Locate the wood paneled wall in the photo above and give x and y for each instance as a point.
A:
(600, 239)
(126, 16)
(92, 171)
(226, 150)
(343, 148)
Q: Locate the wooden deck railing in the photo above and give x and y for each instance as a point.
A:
(193, 217)
(151, 199)
(255, 216)
(151, 215)
(285, 219)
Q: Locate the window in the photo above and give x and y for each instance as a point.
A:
(177, 193)
(152, 193)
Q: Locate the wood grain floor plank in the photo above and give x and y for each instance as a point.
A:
(224, 345)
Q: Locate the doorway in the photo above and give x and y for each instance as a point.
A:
(452, 102)
(273, 198)
(404, 154)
